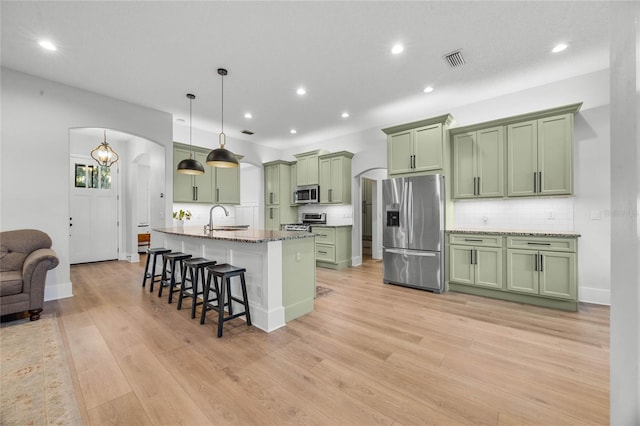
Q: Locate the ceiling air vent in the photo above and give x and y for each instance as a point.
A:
(454, 59)
(247, 132)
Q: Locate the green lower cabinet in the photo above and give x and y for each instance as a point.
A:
(546, 277)
(478, 266)
(333, 246)
(544, 273)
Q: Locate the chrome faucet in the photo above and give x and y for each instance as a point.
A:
(209, 227)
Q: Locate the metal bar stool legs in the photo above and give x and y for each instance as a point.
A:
(153, 252)
(224, 297)
(192, 270)
(170, 263)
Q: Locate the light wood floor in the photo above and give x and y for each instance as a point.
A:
(369, 354)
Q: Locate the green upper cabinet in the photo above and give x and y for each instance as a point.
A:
(478, 163)
(216, 185)
(192, 188)
(307, 167)
(335, 178)
(293, 183)
(542, 266)
(227, 185)
(419, 147)
(278, 195)
(540, 156)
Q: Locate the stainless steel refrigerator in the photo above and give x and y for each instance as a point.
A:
(413, 236)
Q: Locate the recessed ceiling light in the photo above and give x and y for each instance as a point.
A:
(559, 47)
(345, 115)
(397, 49)
(293, 131)
(46, 44)
(301, 91)
(428, 89)
(248, 115)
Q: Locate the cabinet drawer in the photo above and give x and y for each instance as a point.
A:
(325, 235)
(325, 253)
(479, 240)
(542, 243)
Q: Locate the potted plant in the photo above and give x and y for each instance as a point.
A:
(180, 216)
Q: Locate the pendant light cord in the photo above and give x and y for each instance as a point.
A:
(190, 126)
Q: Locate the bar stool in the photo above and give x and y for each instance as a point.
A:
(155, 252)
(225, 272)
(170, 263)
(193, 269)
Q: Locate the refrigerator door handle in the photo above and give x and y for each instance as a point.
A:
(410, 221)
(411, 252)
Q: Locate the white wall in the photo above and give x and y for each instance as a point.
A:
(34, 155)
(625, 226)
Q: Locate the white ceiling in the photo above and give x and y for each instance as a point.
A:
(154, 53)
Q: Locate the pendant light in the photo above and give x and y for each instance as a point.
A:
(190, 166)
(221, 157)
(104, 154)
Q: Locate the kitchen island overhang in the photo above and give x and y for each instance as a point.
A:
(280, 276)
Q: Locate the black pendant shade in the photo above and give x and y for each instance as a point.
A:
(189, 166)
(222, 157)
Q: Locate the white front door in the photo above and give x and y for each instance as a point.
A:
(93, 218)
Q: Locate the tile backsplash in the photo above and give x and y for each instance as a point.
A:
(535, 214)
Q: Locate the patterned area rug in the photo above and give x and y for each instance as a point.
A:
(323, 291)
(34, 375)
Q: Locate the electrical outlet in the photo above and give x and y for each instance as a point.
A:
(551, 214)
(485, 219)
(298, 257)
(595, 215)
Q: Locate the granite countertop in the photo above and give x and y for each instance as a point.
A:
(514, 233)
(243, 236)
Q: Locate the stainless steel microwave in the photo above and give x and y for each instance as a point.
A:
(307, 194)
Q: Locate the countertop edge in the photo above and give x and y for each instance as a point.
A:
(252, 237)
(517, 233)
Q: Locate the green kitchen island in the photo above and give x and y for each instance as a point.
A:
(280, 276)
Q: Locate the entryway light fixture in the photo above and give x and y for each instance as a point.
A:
(190, 166)
(104, 154)
(221, 157)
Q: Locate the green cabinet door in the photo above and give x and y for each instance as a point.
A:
(307, 170)
(461, 270)
(324, 172)
(428, 148)
(400, 152)
(337, 194)
(489, 154)
(522, 274)
(272, 185)
(293, 171)
(227, 185)
(272, 218)
(555, 155)
(522, 162)
(488, 265)
(205, 183)
(183, 187)
(558, 274)
(464, 165)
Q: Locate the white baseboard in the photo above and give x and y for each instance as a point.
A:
(356, 260)
(595, 295)
(58, 291)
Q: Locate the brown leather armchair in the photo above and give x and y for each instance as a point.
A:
(25, 258)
